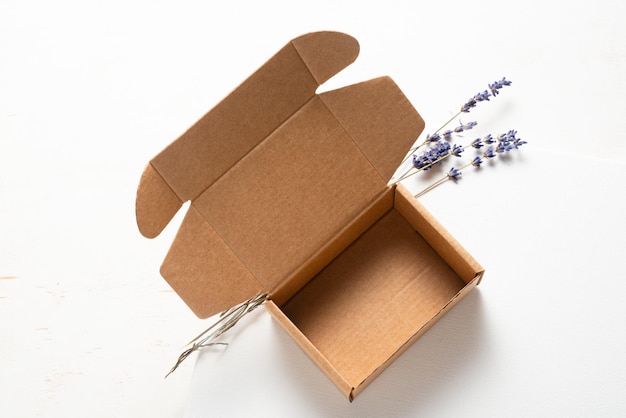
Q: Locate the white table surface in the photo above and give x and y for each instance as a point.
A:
(91, 91)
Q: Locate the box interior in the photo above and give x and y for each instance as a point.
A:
(373, 298)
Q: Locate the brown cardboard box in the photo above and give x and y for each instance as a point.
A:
(289, 195)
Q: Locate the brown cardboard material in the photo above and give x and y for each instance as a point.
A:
(289, 196)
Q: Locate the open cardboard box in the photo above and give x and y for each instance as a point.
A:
(289, 195)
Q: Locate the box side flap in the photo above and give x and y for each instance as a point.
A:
(239, 122)
(437, 236)
(204, 271)
(462, 293)
(379, 118)
(309, 348)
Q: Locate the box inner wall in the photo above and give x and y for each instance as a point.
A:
(370, 300)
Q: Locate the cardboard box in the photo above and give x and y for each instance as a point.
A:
(289, 195)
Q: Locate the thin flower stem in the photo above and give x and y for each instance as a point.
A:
(448, 122)
(440, 181)
(432, 186)
(228, 319)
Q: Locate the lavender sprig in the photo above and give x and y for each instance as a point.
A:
(462, 127)
(493, 90)
(227, 320)
(439, 152)
(505, 142)
(484, 96)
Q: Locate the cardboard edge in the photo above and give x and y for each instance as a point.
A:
(444, 310)
(313, 353)
(457, 257)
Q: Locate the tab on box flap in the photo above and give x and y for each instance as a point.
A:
(274, 172)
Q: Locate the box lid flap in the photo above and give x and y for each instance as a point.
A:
(237, 124)
(274, 172)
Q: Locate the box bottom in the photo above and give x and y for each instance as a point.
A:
(364, 307)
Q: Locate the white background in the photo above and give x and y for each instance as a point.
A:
(91, 91)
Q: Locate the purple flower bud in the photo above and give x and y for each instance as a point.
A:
(477, 143)
(477, 161)
(457, 150)
(433, 138)
(489, 139)
(497, 85)
(442, 149)
(420, 162)
(432, 156)
(518, 142)
(467, 106)
(482, 96)
(454, 173)
(489, 153)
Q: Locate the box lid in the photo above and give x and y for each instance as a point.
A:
(273, 173)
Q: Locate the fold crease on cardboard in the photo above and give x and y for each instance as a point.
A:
(289, 196)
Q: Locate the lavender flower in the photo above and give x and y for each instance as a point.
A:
(497, 85)
(508, 141)
(489, 153)
(505, 142)
(484, 96)
(507, 136)
(478, 97)
(477, 161)
(454, 174)
(433, 138)
(503, 147)
(518, 142)
(457, 150)
(477, 143)
(468, 105)
(462, 127)
(489, 139)
(432, 156)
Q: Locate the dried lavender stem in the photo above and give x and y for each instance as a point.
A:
(443, 179)
(228, 319)
(432, 186)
